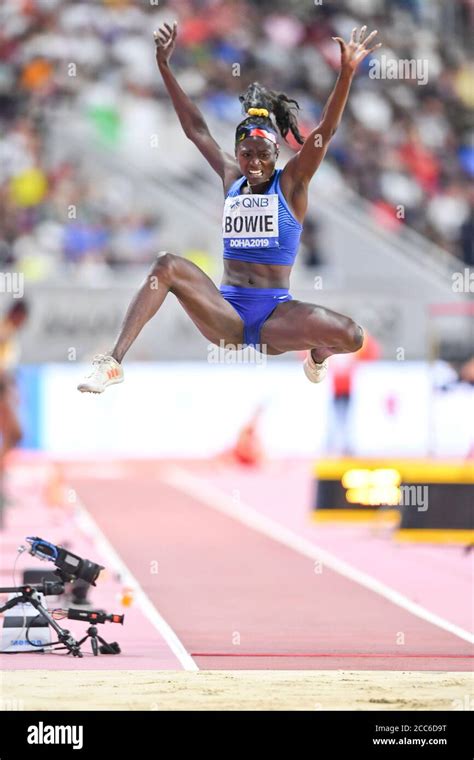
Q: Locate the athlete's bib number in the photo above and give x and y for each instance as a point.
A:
(251, 221)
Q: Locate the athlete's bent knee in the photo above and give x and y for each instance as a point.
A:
(164, 267)
(355, 335)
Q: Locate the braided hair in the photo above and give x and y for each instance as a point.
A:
(257, 99)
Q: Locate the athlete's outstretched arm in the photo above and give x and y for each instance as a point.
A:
(191, 118)
(304, 164)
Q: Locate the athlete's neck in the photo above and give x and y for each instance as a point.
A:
(262, 187)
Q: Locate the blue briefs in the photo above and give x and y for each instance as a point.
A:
(254, 305)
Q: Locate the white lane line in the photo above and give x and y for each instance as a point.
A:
(213, 497)
(89, 526)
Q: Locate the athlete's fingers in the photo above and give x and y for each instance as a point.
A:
(378, 45)
(163, 31)
(360, 57)
(353, 38)
(369, 38)
(172, 30)
(157, 37)
(341, 42)
(362, 34)
(371, 50)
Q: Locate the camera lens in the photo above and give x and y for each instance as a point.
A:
(89, 571)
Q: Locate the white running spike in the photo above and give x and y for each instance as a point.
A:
(315, 372)
(105, 371)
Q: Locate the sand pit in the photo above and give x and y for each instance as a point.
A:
(236, 690)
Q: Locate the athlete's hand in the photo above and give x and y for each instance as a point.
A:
(165, 39)
(358, 48)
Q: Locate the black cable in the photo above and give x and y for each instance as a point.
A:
(31, 643)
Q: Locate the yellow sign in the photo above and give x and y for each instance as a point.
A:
(372, 488)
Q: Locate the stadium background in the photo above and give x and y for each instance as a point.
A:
(96, 178)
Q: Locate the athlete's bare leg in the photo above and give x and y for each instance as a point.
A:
(216, 319)
(10, 429)
(298, 326)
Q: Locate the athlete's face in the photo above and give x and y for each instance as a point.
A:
(257, 158)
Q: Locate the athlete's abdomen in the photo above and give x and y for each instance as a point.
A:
(246, 274)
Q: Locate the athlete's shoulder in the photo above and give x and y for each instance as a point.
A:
(235, 187)
(277, 178)
(285, 190)
(275, 186)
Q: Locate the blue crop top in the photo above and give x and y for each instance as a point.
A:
(260, 228)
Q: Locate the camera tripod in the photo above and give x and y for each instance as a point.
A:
(106, 648)
(30, 595)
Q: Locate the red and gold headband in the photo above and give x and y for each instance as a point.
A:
(255, 130)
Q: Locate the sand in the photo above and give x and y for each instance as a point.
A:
(236, 690)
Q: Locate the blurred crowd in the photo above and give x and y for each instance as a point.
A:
(404, 145)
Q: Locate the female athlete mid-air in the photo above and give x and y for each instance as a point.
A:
(263, 218)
